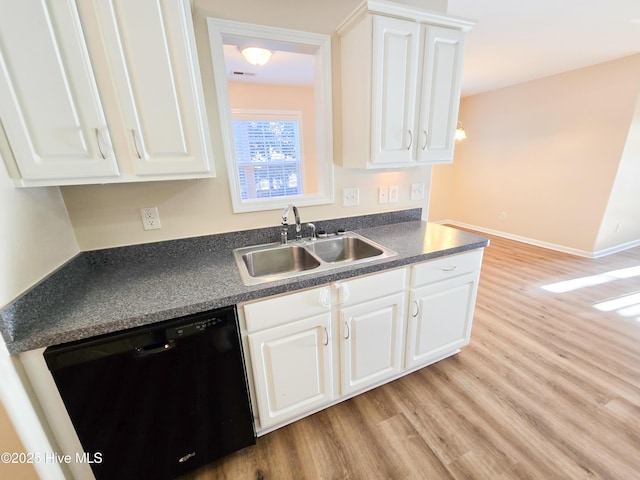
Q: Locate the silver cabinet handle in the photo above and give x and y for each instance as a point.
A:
(410, 140)
(426, 140)
(415, 302)
(346, 326)
(135, 143)
(99, 146)
(449, 269)
(326, 337)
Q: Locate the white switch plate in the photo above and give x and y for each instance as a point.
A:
(417, 191)
(150, 218)
(350, 197)
(383, 195)
(393, 193)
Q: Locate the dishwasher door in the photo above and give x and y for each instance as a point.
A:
(157, 402)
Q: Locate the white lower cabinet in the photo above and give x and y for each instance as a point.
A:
(313, 348)
(441, 318)
(371, 342)
(292, 368)
(441, 306)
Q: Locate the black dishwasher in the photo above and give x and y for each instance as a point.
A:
(158, 401)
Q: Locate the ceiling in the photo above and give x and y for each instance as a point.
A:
(516, 41)
(283, 68)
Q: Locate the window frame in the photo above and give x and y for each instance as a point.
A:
(318, 45)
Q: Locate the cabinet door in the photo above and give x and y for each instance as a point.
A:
(292, 368)
(395, 71)
(440, 90)
(371, 347)
(440, 319)
(49, 103)
(152, 54)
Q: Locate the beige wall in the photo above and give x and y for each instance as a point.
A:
(36, 239)
(37, 231)
(37, 236)
(9, 442)
(108, 215)
(545, 152)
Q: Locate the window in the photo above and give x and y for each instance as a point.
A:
(239, 86)
(268, 153)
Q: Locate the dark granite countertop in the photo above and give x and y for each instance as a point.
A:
(105, 291)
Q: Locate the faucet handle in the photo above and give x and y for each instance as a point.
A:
(285, 213)
(313, 236)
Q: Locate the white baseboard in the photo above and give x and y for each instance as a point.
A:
(618, 248)
(539, 243)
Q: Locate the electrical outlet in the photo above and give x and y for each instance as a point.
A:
(350, 197)
(417, 191)
(393, 194)
(383, 195)
(150, 218)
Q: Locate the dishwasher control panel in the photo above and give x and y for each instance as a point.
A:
(192, 328)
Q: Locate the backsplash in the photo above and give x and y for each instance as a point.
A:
(63, 283)
(150, 251)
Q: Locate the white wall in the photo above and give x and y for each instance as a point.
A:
(621, 222)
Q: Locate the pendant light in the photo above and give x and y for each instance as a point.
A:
(460, 133)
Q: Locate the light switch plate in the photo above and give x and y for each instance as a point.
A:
(417, 191)
(350, 197)
(393, 193)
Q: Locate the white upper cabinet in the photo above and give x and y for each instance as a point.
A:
(152, 56)
(53, 115)
(401, 71)
(440, 90)
(49, 103)
(394, 87)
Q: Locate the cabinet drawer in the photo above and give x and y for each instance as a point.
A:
(287, 308)
(372, 286)
(446, 267)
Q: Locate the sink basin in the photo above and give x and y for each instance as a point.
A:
(341, 249)
(271, 262)
(277, 260)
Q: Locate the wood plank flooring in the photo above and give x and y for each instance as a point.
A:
(549, 388)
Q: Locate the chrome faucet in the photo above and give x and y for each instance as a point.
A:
(285, 224)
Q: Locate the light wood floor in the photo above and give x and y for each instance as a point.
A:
(548, 389)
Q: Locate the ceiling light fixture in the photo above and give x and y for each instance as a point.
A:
(460, 133)
(256, 55)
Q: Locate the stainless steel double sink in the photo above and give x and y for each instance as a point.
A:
(266, 263)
